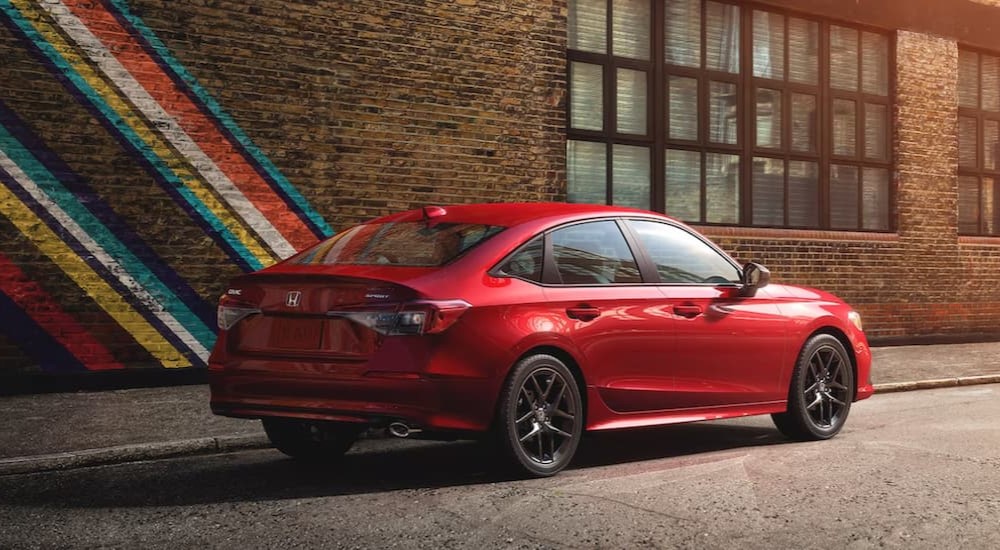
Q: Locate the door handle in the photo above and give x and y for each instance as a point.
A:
(688, 310)
(583, 313)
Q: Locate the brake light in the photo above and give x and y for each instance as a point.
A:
(231, 312)
(426, 317)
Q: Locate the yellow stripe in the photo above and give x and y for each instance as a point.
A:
(176, 164)
(110, 301)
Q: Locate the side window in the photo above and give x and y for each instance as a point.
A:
(593, 253)
(526, 263)
(680, 257)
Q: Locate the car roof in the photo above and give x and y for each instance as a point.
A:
(509, 214)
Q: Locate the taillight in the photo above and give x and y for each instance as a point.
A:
(231, 312)
(426, 317)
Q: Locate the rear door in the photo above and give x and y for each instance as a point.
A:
(614, 318)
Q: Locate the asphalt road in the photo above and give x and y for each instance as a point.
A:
(915, 470)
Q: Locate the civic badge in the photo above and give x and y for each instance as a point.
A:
(293, 298)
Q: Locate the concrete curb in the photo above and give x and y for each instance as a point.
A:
(891, 387)
(130, 453)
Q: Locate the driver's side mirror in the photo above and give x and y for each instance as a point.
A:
(755, 276)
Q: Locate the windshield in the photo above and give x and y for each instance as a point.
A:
(414, 244)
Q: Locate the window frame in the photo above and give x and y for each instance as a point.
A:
(980, 171)
(658, 140)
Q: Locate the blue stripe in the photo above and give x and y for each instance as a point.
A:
(72, 204)
(261, 162)
(33, 340)
(114, 122)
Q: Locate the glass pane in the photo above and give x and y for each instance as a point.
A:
(593, 253)
(967, 142)
(968, 79)
(803, 51)
(586, 105)
(722, 188)
(875, 131)
(683, 183)
(586, 172)
(630, 176)
(988, 215)
(630, 22)
(722, 37)
(768, 118)
(631, 101)
(588, 29)
(843, 58)
(968, 204)
(722, 112)
(875, 199)
(843, 197)
(844, 129)
(875, 63)
(991, 83)
(768, 45)
(768, 188)
(803, 194)
(682, 30)
(681, 257)
(683, 107)
(803, 122)
(990, 145)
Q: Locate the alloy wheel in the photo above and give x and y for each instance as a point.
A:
(545, 416)
(826, 392)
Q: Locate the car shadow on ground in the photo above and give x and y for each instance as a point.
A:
(374, 466)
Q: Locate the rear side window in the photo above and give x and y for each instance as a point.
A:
(412, 244)
(526, 263)
(593, 253)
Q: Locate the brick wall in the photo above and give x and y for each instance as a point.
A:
(153, 149)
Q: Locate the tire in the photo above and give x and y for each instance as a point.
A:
(310, 440)
(821, 391)
(540, 419)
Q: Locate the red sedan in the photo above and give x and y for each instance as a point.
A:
(527, 323)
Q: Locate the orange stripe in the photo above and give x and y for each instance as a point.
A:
(199, 127)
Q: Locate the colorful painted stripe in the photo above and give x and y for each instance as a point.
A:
(52, 174)
(71, 262)
(125, 62)
(101, 244)
(172, 170)
(168, 127)
(135, 27)
(33, 320)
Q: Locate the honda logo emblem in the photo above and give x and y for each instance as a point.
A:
(293, 298)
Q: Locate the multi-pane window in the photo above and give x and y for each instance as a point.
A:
(724, 113)
(978, 143)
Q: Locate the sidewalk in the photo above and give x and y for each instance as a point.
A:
(67, 430)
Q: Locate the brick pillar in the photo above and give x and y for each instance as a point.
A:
(926, 152)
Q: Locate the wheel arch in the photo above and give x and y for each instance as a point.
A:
(560, 354)
(844, 341)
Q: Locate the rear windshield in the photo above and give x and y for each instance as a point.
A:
(414, 244)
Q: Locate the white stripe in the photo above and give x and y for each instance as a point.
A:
(102, 256)
(166, 125)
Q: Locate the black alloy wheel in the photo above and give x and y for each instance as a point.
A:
(821, 391)
(540, 421)
(310, 440)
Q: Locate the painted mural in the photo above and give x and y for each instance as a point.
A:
(127, 305)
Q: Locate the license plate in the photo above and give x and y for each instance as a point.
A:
(300, 334)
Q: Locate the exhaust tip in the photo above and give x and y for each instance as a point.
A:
(402, 430)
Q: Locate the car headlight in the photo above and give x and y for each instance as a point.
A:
(855, 317)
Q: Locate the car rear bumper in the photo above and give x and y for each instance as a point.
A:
(429, 403)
